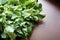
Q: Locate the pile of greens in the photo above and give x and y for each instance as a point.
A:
(18, 17)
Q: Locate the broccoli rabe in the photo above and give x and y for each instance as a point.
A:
(18, 17)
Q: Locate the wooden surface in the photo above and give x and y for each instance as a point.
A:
(50, 27)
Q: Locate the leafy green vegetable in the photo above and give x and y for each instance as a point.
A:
(17, 18)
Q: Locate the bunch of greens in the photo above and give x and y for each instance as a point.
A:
(17, 18)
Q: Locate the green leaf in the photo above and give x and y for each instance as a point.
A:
(18, 18)
(25, 14)
(4, 35)
(3, 2)
(11, 35)
(9, 29)
(38, 7)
